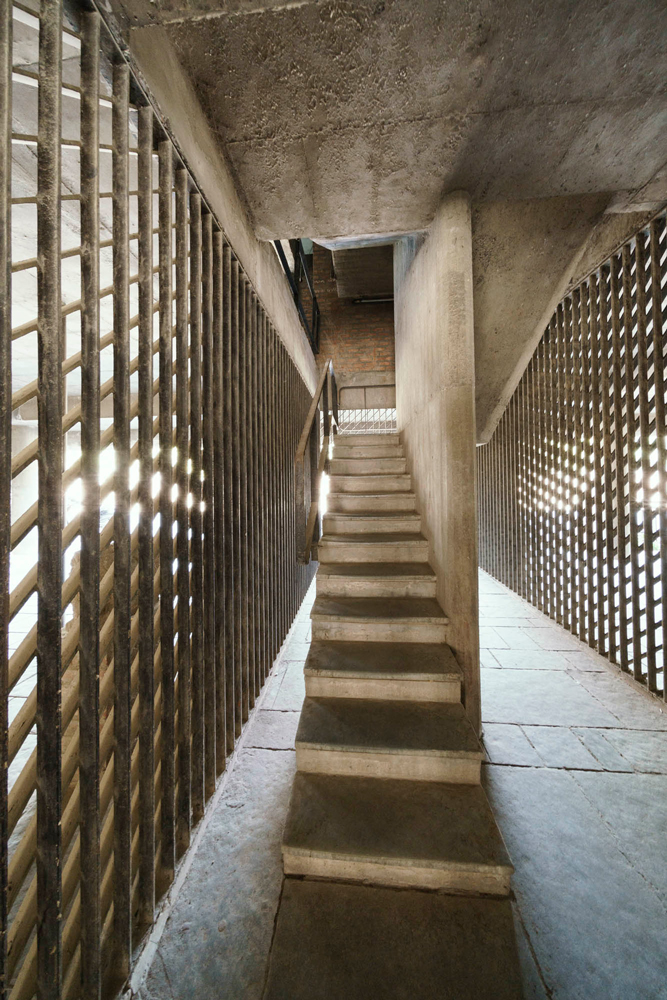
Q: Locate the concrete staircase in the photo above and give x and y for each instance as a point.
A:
(388, 787)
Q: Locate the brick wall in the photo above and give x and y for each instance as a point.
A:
(359, 338)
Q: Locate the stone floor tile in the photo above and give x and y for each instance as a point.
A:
(273, 730)
(634, 807)
(489, 638)
(217, 938)
(354, 942)
(586, 660)
(634, 709)
(487, 659)
(507, 744)
(291, 693)
(595, 924)
(503, 622)
(508, 608)
(301, 632)
(517, 637)
(540, 697)
(644, 751)
(535, 659)
(610, 759)
(531, 978)
(292, 678)
(560, 747)
(556, 638)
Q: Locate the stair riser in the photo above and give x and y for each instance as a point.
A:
(372, 586)
(367, 466)
(383, 689)
(399, 766)
(476, 882)
(372, 552)
(374, 440)
(348, 503)
(364, 525)
(389, 631)
(370, 484)
(368, 451)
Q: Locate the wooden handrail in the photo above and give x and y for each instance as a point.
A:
(309, 442)
(303, 440)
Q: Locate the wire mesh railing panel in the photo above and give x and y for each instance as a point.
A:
(367, 421)
(573, 484)
(147, 404)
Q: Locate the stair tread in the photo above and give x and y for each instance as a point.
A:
(382, 570)
(396, 727)
(362, 609)
(369, 475)
(419, 661)
(352, 450)
(366, 437)
(379, 515)
(371, 496)
(424, 823)
(374, 536)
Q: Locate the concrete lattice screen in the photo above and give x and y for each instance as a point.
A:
(573, 484)
(148, 390)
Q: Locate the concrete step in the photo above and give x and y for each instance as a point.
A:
(364, 522)
(403, 740)
(371, 484)
(367, 450)
(388, 437)
(351, 503)
(375, 580)
(420, 834)
(366, 466)
(378, 619)
(397, 671)
(373, 547)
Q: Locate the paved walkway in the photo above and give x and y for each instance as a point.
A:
(577, 774)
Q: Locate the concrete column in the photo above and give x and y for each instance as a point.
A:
(435, 400)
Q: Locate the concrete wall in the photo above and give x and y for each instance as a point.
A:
(435, 400)
(178, 103)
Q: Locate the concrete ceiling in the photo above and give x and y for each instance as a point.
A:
(346, 117)
(348, 120)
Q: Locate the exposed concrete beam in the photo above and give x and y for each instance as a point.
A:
(154, 13)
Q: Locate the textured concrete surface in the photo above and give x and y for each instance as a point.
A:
(181, 110)
(580, 794)
(343, 942)
(391, 104)
(398, 727)
(435, 406)
(547, 114)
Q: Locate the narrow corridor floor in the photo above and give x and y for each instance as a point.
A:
(576, 771)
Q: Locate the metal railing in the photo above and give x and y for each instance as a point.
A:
(296, 279)
(573, 484)
(367, 420)
(312, 459)
(150, 413)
